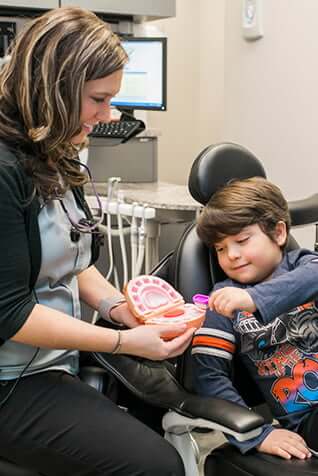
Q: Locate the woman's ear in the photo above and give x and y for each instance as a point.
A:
(280, 233)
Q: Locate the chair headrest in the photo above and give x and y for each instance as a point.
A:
(219, 163)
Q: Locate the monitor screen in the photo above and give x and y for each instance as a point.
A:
(145, 75)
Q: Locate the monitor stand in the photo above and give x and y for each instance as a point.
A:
(128, 115)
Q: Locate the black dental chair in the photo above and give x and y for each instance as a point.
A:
(192, 269)
(214, 167)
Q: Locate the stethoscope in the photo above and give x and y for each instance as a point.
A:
(84, 225)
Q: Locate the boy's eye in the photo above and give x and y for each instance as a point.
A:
(218, 250)
(243, 240)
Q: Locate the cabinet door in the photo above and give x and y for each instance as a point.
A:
(44, 4)
(147, 8)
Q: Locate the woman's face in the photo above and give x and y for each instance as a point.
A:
(96, 98)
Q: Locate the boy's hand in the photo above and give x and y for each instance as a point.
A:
(284, 443)
(227, 300)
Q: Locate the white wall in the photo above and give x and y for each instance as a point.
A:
(261, 94)
(211, 82)
(271, 93)
(194, 117)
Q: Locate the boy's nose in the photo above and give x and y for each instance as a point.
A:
(233, 252)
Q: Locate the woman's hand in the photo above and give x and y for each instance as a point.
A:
(146, 341)
(284, 443)
(122, 315)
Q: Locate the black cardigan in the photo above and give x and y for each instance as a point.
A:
(20, 243)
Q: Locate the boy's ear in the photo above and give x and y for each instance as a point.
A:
(280, 233)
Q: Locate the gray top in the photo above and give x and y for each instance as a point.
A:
(56, 287)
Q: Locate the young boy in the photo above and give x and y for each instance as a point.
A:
(266, 311)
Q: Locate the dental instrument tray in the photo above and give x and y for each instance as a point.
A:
(123, 130)
(154, 301)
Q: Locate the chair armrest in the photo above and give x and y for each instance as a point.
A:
(178, 424)
(155, 383)
(304, 212)
(229, 415)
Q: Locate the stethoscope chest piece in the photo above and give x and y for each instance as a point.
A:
(75, 235)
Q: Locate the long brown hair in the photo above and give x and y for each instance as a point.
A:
(41, 90)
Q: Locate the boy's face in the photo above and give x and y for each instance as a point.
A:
(251, 256)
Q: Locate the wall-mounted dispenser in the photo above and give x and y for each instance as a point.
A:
(252, 19)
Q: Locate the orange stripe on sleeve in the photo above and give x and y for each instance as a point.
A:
(214, 342)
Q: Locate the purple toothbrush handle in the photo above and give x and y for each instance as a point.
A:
(200, 299)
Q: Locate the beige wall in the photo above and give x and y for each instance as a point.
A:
(261, 94)
(211, 67)
(194, 117)
(271, 93)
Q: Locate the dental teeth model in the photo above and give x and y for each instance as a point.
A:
(153, 301)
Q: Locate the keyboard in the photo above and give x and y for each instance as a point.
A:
(123, 130)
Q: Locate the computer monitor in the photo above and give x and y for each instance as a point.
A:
(144, 83)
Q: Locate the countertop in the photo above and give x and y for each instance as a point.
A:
(172, 202)
(159, 195)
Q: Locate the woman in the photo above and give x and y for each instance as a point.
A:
(64, 69)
